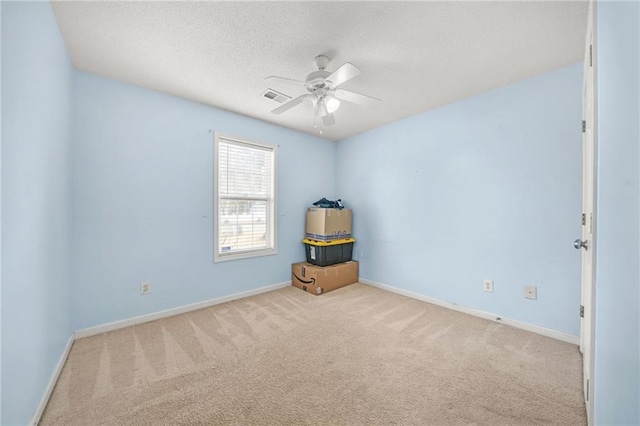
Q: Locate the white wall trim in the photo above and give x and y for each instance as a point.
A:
(91, 331)
(52, 383)
(569, 338)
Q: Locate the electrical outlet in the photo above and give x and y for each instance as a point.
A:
(530, 292)
(145, 287)
(360, 254)
(487, 285)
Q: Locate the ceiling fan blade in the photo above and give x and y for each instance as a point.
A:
(288, 81)
(356, 98)
(345, 73)
(289, 105)
(328, 120)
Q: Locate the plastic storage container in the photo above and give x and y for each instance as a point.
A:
(325, 253)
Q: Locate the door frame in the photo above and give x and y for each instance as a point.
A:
(588, 294)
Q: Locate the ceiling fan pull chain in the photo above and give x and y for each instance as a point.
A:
(315, 118)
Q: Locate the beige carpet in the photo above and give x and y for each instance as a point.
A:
(358, 355)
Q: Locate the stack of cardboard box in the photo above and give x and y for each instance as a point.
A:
(329, 248)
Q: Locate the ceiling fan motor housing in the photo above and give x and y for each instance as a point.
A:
(317, 77)
(316, 80)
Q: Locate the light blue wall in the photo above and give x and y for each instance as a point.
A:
(488, 187)
(485, 188)
(143, 200)
(0, 215)
(36, 205)
(617, 353)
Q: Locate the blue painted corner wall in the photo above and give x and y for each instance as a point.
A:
(143, 200)
(0, 214)
(485, 188)
(617, 320)
(138, 166)
(105, 185)
(36, 205)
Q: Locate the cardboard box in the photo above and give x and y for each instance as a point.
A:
(321, 279)
(328, 224)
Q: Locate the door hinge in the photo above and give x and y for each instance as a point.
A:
(591, 55)
(581, 311)
(584, 219)
(587, 389)
(584, 126)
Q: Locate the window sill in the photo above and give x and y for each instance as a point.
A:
(243, 255)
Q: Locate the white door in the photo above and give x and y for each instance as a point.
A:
(586, 244)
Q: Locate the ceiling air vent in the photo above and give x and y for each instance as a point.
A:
(275, 96)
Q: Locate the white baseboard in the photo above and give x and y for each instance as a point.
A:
(569, 338)
(91, 331)
(52, 383)
(137, 320)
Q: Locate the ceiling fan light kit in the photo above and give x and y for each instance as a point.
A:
(324, 95)
(332, 103)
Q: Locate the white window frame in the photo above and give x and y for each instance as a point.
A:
(271, 203)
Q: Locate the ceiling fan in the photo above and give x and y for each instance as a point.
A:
(324, 95)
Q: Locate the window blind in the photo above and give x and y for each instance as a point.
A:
(245, 197)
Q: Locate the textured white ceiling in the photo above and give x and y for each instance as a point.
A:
(414, 56)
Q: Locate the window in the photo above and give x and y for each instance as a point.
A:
(244, 197)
